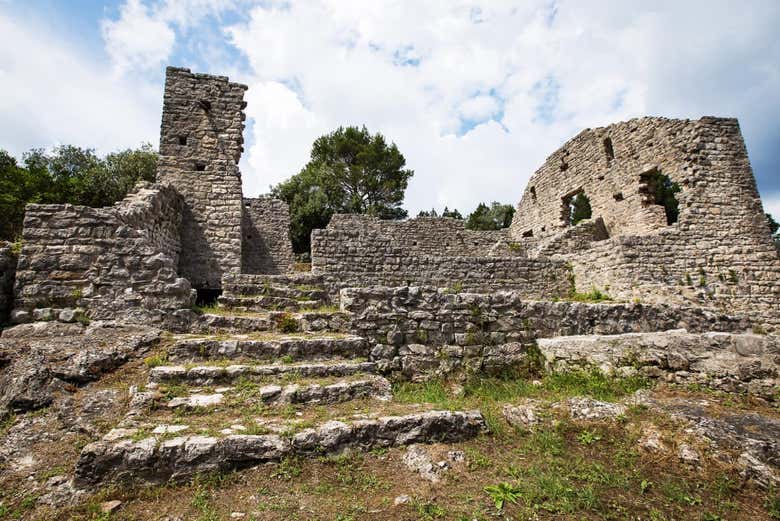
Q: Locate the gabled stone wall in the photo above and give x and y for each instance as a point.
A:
(114, 262)
(718, 254)
(200, 145)
(266, 248)
(361, 251)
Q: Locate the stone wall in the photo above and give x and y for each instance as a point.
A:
(359, 250)
(423, 330)
(718, 254)
(114, 262)
(200, 145)
(267, 247)
(7, 273)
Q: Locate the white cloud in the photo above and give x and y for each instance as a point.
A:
(138, 39)
(51, 92)
(772, 206)
(416, 71)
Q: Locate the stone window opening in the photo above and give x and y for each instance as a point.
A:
(182, 140)
(609, 150)
(205, 105)
(657, 188)
(528, 233)
(575, 208)
(200, 167)
(618, 196)
(533, 194)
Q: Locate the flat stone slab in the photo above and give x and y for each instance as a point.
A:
(152, 461)
(298, 348)
(207, 375)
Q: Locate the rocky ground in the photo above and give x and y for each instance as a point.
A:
(108, 422)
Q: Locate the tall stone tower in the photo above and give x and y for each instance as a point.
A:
(201, 141)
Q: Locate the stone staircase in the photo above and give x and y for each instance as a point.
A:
(291, 292)
(256, 386)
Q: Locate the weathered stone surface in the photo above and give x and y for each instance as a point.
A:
(153, 461)
(725, 361)
(589, 409)
(36, 368)
(524, 416)
(298, 348)
(418, 460)
(266, 236)
(719, 253)
(103, 262)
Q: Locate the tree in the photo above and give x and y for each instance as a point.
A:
(350, 171)
(493, 217)
(68, 174)
(774, 229)
(579, 208)
(453, 214)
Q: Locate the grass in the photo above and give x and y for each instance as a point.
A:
(593, 296)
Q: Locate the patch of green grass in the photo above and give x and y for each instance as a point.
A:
(595, 295)
(156, 360)
(772, 504)
(588, 437)
(428, 510)
(287, 469)
(286, 323)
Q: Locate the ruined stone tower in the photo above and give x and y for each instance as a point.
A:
(200, 145)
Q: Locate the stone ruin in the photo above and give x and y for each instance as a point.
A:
(692, 292)
(140, 258)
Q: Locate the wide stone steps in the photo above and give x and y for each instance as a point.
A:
(269, 347)
(267, 303)
(227, 321)
(124, 456)
(303, 393)
(225, 374)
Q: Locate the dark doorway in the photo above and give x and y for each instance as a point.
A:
(207, 297)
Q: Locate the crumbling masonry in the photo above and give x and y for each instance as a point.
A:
(673, 233)
(194, 230)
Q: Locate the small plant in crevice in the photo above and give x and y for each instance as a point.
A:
(286, 323)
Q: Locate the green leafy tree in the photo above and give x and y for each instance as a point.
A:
(350, 171)
(774, 229)
(493, 217)
(454, 214)
(579, 208)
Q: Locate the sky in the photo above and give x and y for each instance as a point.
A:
(475, 94)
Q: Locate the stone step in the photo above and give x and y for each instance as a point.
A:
(309, 392)
(282, 321)
(269, 347)
(237, 280)
(128, 458)
(301, 292)
(267, 303)
(220, 374)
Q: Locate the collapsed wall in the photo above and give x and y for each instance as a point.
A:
(201, 143)
(114, 261)
(715, 251)
(358, 250)
(267, 247)
(7, 273)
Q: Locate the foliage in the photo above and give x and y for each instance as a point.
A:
(454, 213)
(663, 191)
(774, 229)
(350, 171)
(68, 174)
(503, 493)
(579, 208)
(593, 296)
(493, 217)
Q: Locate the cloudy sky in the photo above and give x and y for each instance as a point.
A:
(475, 94)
